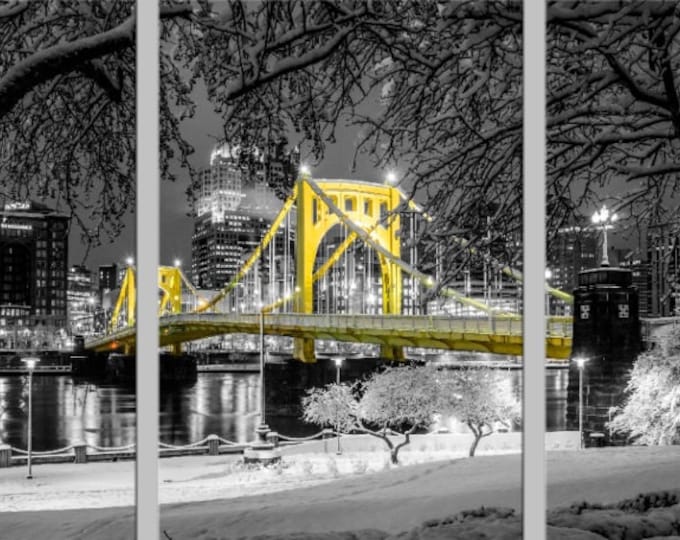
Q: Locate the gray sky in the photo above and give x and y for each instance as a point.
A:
(176, 227)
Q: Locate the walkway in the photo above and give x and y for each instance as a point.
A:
(392, 501)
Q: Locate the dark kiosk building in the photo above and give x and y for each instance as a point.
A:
(33, 274)
(607, 340)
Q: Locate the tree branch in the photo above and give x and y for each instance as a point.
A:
(40, 67)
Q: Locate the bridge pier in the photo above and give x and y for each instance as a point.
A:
(392, 353)
(607, 334)
(303, 350)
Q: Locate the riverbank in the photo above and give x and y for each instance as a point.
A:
(391, 500)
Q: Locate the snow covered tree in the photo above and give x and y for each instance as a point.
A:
(613, 108)
(399, 400)
(334, 405)
(442, 82)
(651, 413)
(67, 107)
(480, 398)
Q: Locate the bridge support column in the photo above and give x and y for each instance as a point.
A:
(392, 353)
(303, 350)
(607, 335)
(177, 349)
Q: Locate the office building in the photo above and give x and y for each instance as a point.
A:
(663, 255)
(573, 249)
(82, 299)
(33, 276)
(234, 208)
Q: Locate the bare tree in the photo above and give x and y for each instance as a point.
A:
(442, 82)
(613, 108)
(67, 109)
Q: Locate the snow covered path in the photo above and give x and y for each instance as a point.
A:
(391, 501)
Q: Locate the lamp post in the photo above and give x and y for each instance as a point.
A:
(338, 362)
(580, 362)
(30, 364)
(606, 219)
(263, 428)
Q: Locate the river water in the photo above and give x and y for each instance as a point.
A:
(66, 411)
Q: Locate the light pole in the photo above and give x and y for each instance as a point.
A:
(30, 364)
(580, 362)
(263, 428)
(338, 362)
(605, 218)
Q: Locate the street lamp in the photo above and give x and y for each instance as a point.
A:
(338, 362)
(580, 362)
(605, 218)
(263, 428)
(30, 364)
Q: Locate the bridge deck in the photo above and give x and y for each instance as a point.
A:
(499, 336)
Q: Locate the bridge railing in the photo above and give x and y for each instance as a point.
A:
(559, 326)
(416, 323)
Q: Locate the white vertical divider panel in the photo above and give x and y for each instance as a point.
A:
(148, 230)
(534, 468)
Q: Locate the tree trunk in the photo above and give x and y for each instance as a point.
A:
(478, 437)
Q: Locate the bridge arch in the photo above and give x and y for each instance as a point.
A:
(366, 204)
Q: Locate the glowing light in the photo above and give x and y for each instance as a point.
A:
(603, 216)
(580, 361)
(30, 362)
(177, 263)
(391, 178)
(129, 261)
(305, 170)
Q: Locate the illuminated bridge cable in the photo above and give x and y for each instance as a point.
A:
(507, 270)
(323, 270)
(254, 256)
(428, 281)
(343, 247)
(128, 296)
(191, 288)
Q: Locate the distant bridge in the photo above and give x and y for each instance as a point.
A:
(369, 212)
(497, 336)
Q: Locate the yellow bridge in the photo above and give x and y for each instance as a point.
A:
(370, 213)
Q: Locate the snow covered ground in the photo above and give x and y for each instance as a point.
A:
(238, 502)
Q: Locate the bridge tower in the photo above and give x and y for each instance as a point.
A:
(607, 334)
(364, 203)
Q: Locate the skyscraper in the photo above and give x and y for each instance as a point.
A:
(234, 208)
(81, 297)
(663, 248)
(33, 253)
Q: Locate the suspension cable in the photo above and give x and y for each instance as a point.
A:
(428, 281)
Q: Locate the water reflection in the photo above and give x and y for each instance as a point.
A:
(227, 404)
(65, 412)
